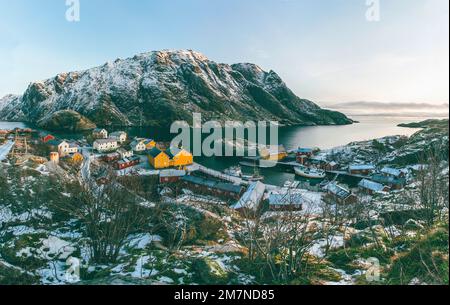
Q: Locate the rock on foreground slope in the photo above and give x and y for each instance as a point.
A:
(157, 88)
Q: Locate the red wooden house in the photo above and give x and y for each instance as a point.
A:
(126, 163)
(111, 157)
(45, 138)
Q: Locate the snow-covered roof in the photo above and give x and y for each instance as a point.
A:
(337, 190)
(55, 142)
(285, 199)
(105, 141)
(172, 173)
(371, 185)
(362, 167)
(391, 171)
(387, 180)
(252, 198)
(228, 187)
(124, 150)
(99, 130)
(118, 133)
(137, 142)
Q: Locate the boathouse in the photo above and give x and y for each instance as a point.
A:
(212, 187)
(372, 187)
(289, 201)
(339, 194)
(126, 163)
(361, 169)
(250, 202)
(171, 175)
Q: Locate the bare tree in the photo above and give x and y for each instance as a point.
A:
(109, 213)
(432, 185)
(279, 246)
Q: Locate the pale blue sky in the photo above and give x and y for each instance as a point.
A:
(324, 49)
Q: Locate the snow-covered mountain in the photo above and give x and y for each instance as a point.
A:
(156, 88)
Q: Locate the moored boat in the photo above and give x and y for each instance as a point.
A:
(253, 178)
(310, 173)
(234, 171)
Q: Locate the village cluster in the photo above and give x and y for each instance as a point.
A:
(116, 149)
(244, 193)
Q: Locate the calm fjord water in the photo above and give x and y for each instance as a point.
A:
(323, 137)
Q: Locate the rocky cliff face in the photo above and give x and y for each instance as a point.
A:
(157, 88)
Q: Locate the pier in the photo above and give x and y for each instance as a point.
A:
(220, 175)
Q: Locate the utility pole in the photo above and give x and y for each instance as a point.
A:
(20, 148)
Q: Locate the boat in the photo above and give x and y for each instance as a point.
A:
(234, 171)
(310, 173)
(255, 177)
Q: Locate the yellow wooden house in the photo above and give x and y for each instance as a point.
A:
(180, 157)
(158, 159)
(273, 153)
(76, 158)
(149, 143)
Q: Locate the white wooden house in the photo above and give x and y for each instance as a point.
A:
(63, 148)
(125, 153)
(120, 136)
(106, 145)
(99, 133)
(138, 145)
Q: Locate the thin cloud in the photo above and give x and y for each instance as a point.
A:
(389, 106)
(392, 109)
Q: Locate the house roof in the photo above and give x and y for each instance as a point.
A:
(371, 185)
(112, 155)
(252, 197)
(337, 190)
(117, 133)
(213, 184)
(228, 187)
(155, 152)
(170, 153)
(55, 142)
(391, 171)
(172, 173)
(388, 180)
(362, 167)
(105, 141)
(148, 141)
(285, 199)
(99, 130)
(136, 143)
(128, 160)
(124, 150)
(174, 151)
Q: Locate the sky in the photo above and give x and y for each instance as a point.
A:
(325, 50)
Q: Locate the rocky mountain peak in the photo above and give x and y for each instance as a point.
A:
(159, 87)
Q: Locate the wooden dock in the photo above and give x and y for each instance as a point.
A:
(220, 175)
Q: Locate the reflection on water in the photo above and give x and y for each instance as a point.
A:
(324, 137)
